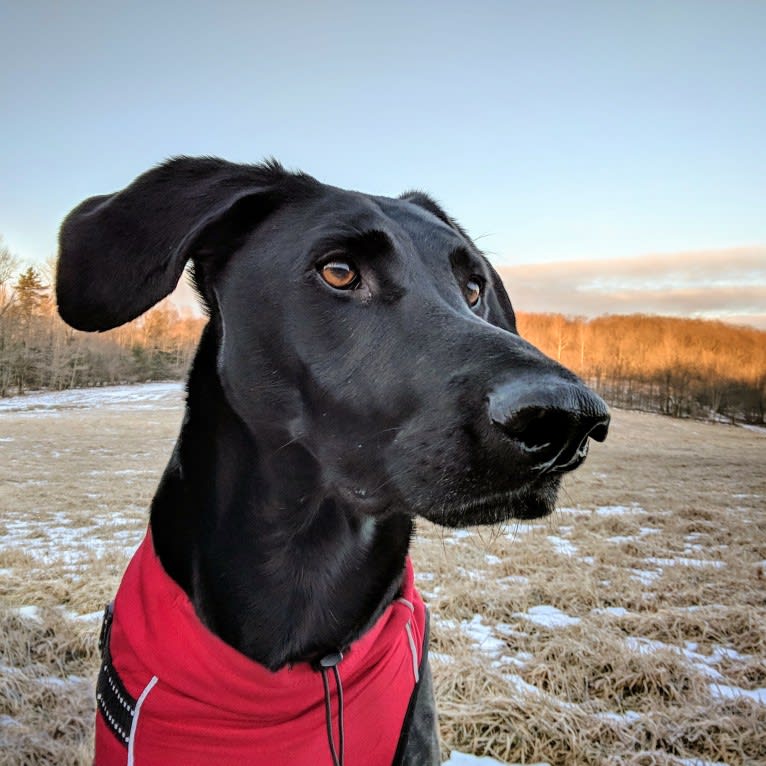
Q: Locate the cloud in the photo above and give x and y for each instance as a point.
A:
(722, 284)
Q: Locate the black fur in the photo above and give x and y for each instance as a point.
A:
(320, 422)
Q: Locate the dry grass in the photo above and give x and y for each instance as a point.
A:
(666, 599)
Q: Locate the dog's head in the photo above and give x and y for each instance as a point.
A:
(369, 332)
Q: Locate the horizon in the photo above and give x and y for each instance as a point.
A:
(607, 157)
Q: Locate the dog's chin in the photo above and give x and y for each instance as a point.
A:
(527, 502)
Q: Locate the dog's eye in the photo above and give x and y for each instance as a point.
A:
(473, 290)
(339, 274)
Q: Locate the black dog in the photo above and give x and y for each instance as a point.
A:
(360, 367)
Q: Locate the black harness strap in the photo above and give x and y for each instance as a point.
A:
(410, 714)
(115, 704)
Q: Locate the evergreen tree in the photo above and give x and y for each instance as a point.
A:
(30, 293)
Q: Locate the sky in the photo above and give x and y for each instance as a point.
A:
(609, 156)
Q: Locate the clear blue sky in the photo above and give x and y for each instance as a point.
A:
(551, 130)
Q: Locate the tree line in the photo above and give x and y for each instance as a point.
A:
(679, 367)
(39, 351)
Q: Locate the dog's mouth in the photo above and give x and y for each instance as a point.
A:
(461, 508)
(528, 502)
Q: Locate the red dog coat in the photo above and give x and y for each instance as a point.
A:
(170, 692)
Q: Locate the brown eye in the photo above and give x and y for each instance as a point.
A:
(339, 274)
(473, 288)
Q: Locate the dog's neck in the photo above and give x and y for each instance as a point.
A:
(272, 567)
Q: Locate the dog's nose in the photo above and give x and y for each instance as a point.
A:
(549, 419)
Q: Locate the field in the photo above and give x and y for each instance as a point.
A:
(628, 628)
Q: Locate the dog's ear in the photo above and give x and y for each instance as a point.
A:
(500, 309)
(121, 253)
(501, 312)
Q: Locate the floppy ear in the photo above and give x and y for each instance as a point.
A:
(121, 253)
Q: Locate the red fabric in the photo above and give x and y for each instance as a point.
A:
(213, 705)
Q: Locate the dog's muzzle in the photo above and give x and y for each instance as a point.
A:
(548, 421)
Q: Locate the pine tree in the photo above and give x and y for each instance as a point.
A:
(30, 293)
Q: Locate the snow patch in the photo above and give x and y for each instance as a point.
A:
(515, 580)
(629, 716)
(522, 529)
(685, 562)
(562, 546)
(643, 532)
(144, 396)
(27, 612)
(613, 611)
(481, 636)
(547, 616)
(645, 577)
(723, 691)
(464, 759)
(618, 510)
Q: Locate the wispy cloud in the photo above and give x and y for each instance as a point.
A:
(723, 284)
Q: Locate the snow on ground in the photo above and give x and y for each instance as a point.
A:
(645, 577)
(685, 562)
(481, 636)
(622, 718)
(562, 546)
(27, 612)
(33, 613)
(457, 535)
(703, 664)
(146, 396)
(67, 541)
(619, 510)
(522, 529)
(464, 759)
(643, 532)
(547, 616)
(732, 692)
(613, 611)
